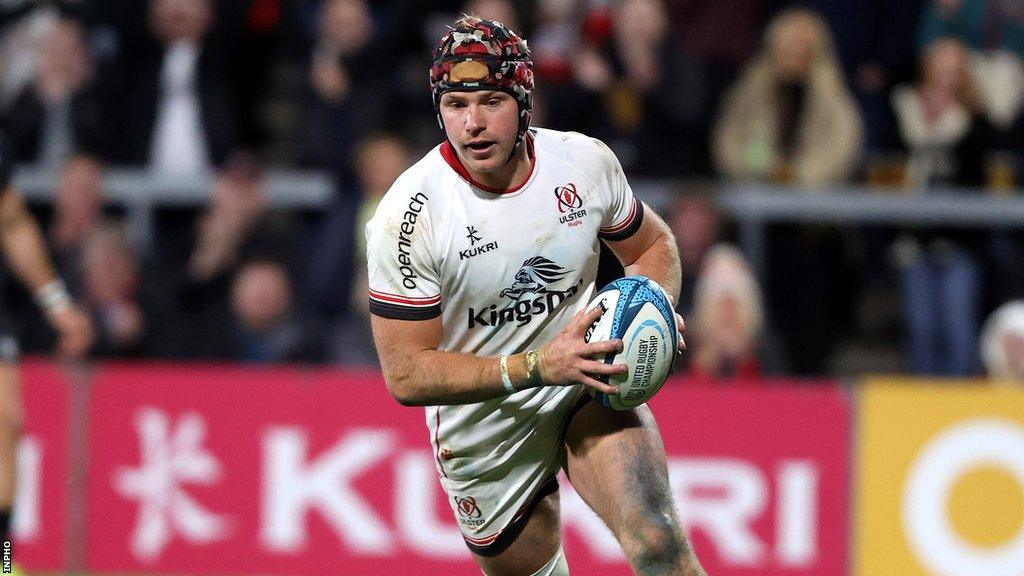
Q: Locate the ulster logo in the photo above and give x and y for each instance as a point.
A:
(469, 512)
(568, 198)
(530, 294)
(467, 507)
(474, 236)
(570, 205)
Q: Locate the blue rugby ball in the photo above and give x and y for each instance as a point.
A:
(638, 312)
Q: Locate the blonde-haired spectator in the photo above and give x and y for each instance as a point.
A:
(790, 118)
(728, 320)
(1002, 343)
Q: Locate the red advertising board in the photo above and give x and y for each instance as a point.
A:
(761, 474)
(229, 470)
(41, 504)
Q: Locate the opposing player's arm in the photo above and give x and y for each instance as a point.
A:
(418, 374)
(22, 244)
(651, 251)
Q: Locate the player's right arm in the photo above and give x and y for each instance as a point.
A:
(418, 374)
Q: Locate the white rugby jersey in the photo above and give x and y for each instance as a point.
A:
(505, 269)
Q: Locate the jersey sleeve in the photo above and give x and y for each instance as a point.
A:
(625, 211)
(403, 280)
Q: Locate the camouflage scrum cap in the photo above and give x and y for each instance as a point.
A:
(478, 54)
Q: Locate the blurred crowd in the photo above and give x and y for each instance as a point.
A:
(908, 96)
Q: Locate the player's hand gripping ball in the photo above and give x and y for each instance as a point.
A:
(638, 312)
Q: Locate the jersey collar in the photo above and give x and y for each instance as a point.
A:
(452, 158)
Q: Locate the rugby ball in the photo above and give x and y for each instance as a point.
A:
(638, 312)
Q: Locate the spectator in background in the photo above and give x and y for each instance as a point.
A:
(175, 111)
(654, 94)
(23, 25)
(238, 203)
(59, 114)
(239, 224)
(999, 76)
(994, 31)
(266, 325)
(110, 292)
(941, 121)
(351, 80)
(204, 254)
(696, 223)
(355, 80)
(380, 160)
(1002, 343)
(337, 261)
(791, 120)
(78, 208)
(790, 117)
(947, 138)
(727, 324)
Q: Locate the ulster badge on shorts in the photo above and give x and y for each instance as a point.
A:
(469, 512)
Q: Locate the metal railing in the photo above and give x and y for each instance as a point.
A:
(140, 192)
(752, 206)
(756, 206)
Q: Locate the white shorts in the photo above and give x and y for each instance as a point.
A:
(498, 459)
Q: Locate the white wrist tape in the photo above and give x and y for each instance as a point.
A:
(54, 296)
(505, 380)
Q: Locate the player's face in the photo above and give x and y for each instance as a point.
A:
(482, 127)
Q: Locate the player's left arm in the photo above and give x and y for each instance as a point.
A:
(651, 251)
(22, 243)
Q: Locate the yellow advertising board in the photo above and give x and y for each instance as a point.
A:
(940, 469)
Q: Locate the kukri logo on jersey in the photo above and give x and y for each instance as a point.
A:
(530, 295)
(473, 235)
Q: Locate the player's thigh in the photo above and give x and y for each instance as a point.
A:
(616, 462)
(533, 548)
(11, 417)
